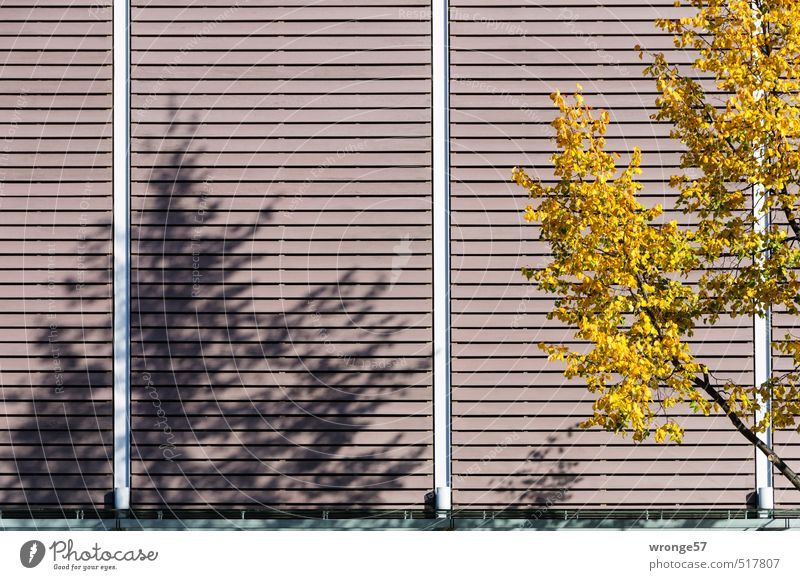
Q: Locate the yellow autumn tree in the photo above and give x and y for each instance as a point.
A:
(621, 272)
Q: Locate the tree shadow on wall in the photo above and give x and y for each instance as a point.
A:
(55, 406)
(278, 360)
(55, 356)
(281, 355)
(554, 474)
(537, 484)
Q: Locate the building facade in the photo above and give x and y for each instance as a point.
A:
(325, 307)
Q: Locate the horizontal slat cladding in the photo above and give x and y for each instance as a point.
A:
(787, 441)
(281, 247)
(515, 427)
(55, 268)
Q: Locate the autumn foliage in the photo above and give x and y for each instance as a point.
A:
(621, 272)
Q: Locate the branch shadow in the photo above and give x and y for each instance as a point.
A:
(265, 373)
(56, 360)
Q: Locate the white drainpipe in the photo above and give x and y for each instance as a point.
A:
(122, 334)
(442, 470)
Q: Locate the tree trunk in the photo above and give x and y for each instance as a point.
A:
(751, 436)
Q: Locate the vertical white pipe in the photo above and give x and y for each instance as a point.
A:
(762, 340)
(121, 143)
(442, 474)
(762, 356)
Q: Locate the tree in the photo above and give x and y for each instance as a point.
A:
(621, 273)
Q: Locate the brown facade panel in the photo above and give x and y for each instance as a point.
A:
(515, 427)
(281, 253)
(787, 441)
(55, 267)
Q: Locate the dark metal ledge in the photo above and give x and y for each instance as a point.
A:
(530, 519)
